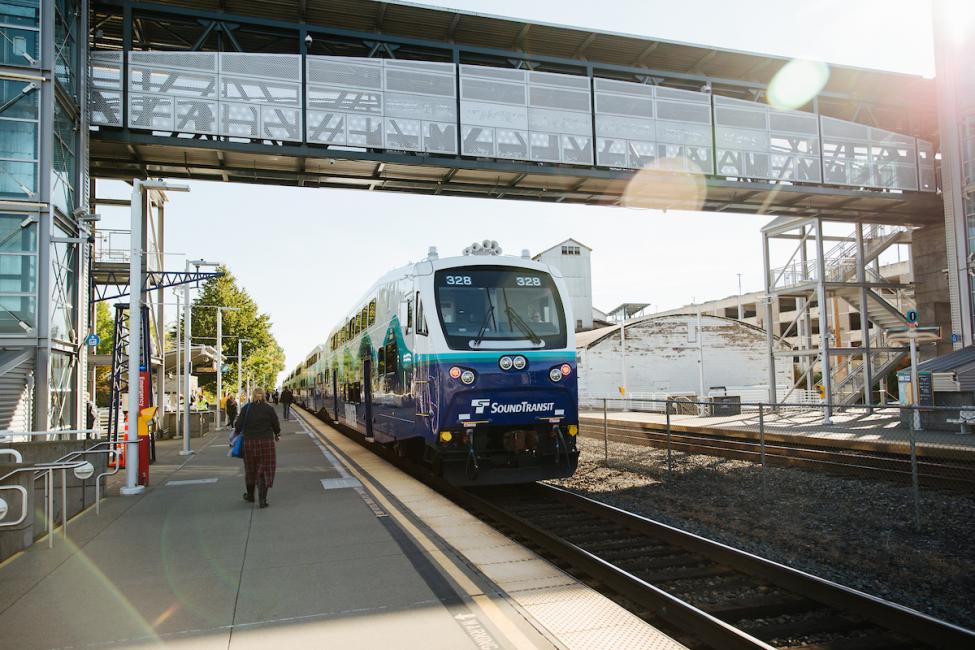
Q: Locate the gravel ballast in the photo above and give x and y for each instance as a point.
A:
(857, 532)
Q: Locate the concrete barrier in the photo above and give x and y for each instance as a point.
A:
(80, 493)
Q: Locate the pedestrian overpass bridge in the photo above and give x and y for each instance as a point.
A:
(396, 97)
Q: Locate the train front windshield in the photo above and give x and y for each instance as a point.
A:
(486, 308)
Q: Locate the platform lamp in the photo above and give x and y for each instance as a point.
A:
(187, 357)
(137, 293)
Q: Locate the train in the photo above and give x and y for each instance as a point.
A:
(466, 364)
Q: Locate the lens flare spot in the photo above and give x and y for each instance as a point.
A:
(166, 615)
(666, 184)
(796, 83)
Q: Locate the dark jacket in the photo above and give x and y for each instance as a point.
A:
(258, 420)
(287, 397)
(231, 408)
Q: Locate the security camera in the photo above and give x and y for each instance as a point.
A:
(308, 39)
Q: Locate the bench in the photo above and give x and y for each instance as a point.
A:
(965, 418)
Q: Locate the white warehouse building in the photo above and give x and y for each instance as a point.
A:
(573, 260)
(663, 354)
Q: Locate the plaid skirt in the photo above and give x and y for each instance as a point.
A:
(259, 460)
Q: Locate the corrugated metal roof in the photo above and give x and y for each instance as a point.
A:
(948, 362)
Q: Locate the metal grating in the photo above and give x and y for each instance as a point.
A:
(105, 88)
(539, 116)
(862, 156)
(375, 103)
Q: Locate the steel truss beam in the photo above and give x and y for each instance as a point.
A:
(154, 280)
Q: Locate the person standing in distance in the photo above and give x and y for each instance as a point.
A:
(287, 398)
(258, 422)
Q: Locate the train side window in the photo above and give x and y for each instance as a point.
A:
(381, 360)
(372, 312)
(421, 322)
(409, 315)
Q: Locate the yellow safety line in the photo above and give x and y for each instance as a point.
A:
(484, 602)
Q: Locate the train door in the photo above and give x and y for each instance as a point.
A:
(335, 392)
(367, 393)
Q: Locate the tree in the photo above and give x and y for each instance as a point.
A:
(263, 358)
(105, 327)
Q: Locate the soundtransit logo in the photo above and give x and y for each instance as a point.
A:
(480, 405)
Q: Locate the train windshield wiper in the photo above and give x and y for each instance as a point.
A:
(515, 317)
(488, 316)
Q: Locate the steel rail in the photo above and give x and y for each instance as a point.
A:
(783, 454)
(917, 626)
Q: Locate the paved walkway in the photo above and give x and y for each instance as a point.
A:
(342, 558)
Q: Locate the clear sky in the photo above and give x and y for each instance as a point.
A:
(306, 255)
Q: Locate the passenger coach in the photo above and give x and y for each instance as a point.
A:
(466, 363)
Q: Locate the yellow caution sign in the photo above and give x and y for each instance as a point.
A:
(145, 417)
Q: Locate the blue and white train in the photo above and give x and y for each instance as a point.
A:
(465, 363)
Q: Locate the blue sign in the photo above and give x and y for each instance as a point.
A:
(955, 337)
(912, 316)
(93, 340)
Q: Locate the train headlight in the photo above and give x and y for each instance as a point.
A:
(566, 370)
(468, 377)
(446, 436)
(573, 430)
(455, 372)
(505, 363)
(555, 374)
(520, 362)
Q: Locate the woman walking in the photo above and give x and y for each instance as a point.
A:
(260, 427)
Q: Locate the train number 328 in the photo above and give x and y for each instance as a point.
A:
(459, 279)
(528, 282)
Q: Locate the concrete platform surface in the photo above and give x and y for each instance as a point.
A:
(351, 554)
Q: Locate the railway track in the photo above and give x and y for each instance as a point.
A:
(932, 472)
(708, 594)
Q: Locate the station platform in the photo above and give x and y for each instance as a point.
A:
(350, 553)
(880, 431)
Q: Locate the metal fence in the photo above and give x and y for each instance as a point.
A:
(914, 455)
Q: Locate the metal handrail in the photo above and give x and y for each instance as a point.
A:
(46, 471)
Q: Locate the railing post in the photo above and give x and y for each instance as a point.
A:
(915, 487)
(605, 433)
(49, 484)
(670, 458)
(64, 503)
(761, 442)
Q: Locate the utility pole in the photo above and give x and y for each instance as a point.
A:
(219, 415)
(188, 363)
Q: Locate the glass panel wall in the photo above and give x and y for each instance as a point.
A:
(20, 32)
(18, 274)
(64, 288)
(18, 139)
(66, 15)
(65, 158)
(62, 377)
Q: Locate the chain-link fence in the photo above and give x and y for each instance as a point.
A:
(909, 451)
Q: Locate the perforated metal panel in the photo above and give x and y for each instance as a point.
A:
(237, 95)
(539, 116)
(105, 88)
(376, 103)
(755, 140)
(862, 156)
(637, 124)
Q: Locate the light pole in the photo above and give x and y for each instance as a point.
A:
(741, 312)
(137, 297)
(240, 361)
(220, 311)
(188, 357)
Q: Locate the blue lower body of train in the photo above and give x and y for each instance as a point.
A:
(513, 426)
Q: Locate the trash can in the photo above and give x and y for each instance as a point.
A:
(724, 405)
